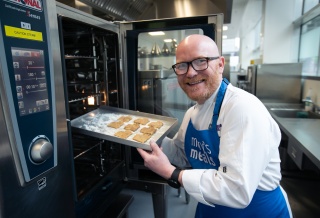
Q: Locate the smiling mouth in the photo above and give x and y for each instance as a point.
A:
(195, 82)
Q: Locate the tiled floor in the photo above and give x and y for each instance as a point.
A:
(303, 194)
(142, 207)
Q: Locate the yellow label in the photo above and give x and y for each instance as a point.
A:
(23, 33)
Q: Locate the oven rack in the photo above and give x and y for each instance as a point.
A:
(77, 45)
(70, 57)
(84, 82)
(88, 150)
(77, 69)
(82, 96)
(75, 34)
(87, 32)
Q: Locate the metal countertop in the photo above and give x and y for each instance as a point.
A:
(305, 131)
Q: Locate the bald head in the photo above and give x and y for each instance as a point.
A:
(194, 46)
(199, 84)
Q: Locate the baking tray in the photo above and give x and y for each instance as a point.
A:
(95, 124)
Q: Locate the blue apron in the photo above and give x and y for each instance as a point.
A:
(202, 150)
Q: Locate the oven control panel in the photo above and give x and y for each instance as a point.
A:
(40, 150)
(27, 75)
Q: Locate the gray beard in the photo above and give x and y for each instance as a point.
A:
(203, 97)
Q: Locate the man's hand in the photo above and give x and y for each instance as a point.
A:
(157, 161)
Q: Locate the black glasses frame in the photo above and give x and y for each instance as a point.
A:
(190, 63)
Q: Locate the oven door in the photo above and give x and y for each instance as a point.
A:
(148, 49)
(90, 71)
(148, 53)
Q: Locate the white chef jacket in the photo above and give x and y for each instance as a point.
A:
(249, 155)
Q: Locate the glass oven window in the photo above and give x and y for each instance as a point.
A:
(156, 50)
(158, 88)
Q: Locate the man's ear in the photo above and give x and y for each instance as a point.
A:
(221, 64)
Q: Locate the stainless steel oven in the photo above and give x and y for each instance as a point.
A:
(104, 61)
(90, 57)
(35, 175)
(60, 64)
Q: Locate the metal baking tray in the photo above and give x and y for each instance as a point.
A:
(95, 124)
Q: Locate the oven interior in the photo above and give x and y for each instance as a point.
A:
(91, 62)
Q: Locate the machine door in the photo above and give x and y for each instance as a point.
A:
(150, 46)
(35, 171)
(149, 52)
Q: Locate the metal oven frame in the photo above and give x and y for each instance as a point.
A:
(136, 175)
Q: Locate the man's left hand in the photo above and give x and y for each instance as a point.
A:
(157, 161)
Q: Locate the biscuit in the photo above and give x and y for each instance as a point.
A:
(156, 124)
(115, 124)
(123, 134)
(133, 127)
(125, 118)
(142, 138)
(142, 121)
(148, 130)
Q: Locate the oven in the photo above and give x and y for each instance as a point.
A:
(90, 59)
(79, 63)
(35, 175)
(105, 66)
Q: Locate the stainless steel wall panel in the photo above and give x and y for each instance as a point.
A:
(279, 82)
(120, 9)
(75, 14)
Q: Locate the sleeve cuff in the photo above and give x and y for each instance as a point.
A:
(191, 183)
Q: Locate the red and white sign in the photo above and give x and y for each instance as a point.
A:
(31, 4)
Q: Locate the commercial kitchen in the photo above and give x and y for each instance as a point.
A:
(69, 67)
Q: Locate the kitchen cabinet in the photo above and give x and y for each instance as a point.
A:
(295, 152)
(303, 138)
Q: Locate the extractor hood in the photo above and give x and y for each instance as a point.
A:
(130, 10)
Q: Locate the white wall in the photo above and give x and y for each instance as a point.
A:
(250, 32)
(267, 31)
(279, 41)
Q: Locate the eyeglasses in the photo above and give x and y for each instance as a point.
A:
(198, 64)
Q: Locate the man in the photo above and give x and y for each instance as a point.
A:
(228, 138)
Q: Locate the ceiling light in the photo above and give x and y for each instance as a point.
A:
(159, 33)
(80, 4)
(170, 40)
(224, 36)
(225, 28)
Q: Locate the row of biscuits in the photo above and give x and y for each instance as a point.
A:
(145, 132)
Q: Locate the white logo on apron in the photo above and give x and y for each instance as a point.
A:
(201, 151)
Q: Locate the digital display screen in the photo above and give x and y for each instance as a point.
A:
(30, 77)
